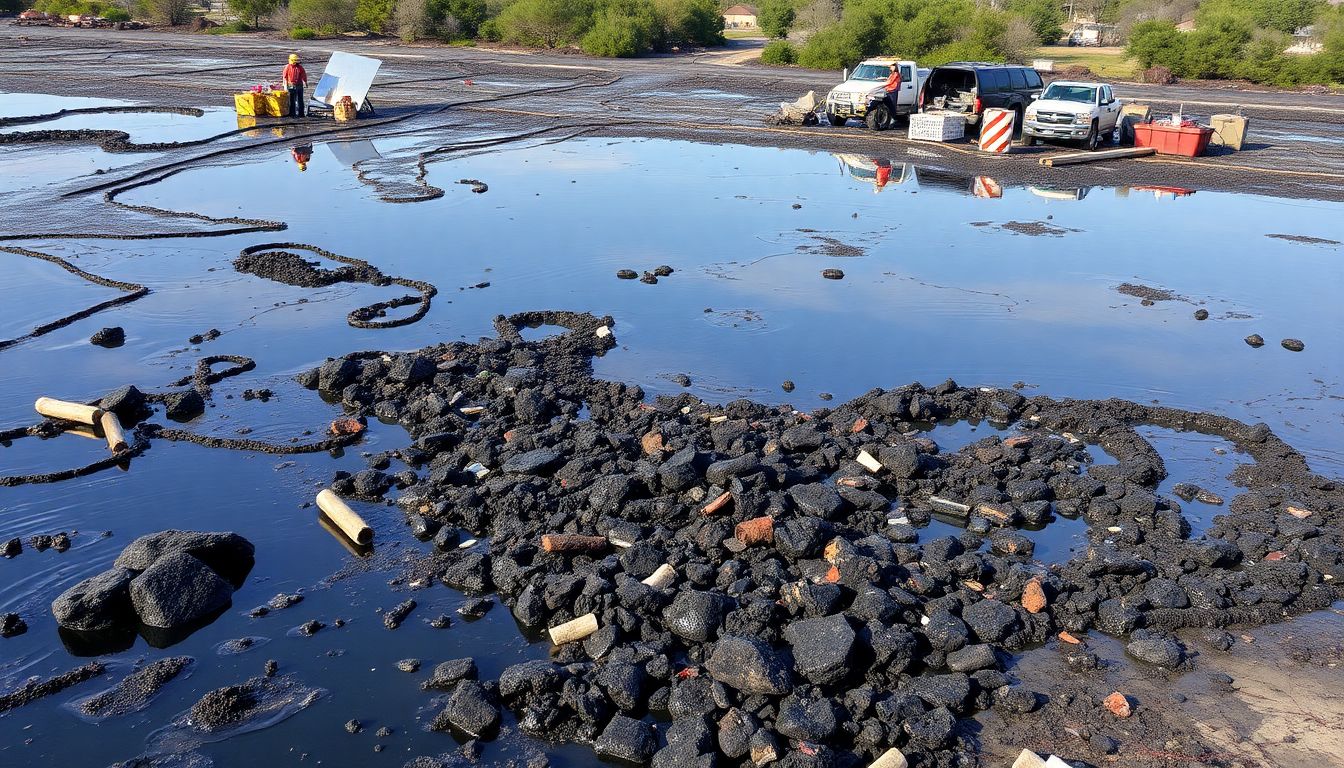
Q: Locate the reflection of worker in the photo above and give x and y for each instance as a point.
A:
(892, 87)
(883, 175)
(302, 154)
(295, 78)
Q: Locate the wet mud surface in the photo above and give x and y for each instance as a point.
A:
(958, 570)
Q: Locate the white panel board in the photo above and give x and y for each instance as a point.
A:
(346, 75)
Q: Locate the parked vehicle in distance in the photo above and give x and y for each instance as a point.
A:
(863, 94)
(1073, 111)
(972, 87)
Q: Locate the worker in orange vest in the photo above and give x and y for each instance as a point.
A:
(892, 86)
(295, 78)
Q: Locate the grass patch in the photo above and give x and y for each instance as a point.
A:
(743, 34)
(1109, 63)
(302, 33)
(232, 28)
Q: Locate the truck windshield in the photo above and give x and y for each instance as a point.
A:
(871, 72)
(1079, 93)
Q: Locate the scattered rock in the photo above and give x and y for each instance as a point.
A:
(108, 337)
(12, 625)
(1293, 345)
(749, 665)
(1117, 704)
(624, 738)
(1255, 340)
(178, 590)
(833, 274)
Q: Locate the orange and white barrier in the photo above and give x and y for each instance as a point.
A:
(996, 132)
(987, 188)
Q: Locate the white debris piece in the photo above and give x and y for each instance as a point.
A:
(869, 462)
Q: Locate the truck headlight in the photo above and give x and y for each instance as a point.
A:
(1031, 114)
(1082, 119)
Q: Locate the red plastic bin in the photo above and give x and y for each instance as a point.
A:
(1170, 140)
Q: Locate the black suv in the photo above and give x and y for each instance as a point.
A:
(973, 87)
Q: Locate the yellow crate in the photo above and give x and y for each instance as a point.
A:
(276, 103)
(248, 104)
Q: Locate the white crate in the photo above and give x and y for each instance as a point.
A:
(936, 126)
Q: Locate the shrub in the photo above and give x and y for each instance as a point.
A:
(1215, 49)
(116, 15)
(615, 35)
(689, 22)
(776, 17)
(373, 15)
(779, 53)
(253, 10)
(302, 33)
(546, 23)
(170, 12)
(489, 30)
(1043, 16)
(451, 18)
(1159, 76)
(943, 29)
(1157, 44)
(327, 17)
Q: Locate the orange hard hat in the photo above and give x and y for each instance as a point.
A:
(303, 166)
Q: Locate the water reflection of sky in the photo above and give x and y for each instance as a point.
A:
(933, 296)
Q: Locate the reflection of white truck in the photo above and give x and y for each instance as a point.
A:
(1086, 112)
(863, 95)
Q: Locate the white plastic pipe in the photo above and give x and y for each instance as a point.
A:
(345, 518)
(67, 411)
(577, 629)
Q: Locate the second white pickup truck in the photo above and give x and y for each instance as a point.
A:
(1085, 112)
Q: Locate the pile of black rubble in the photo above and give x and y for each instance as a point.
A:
(836, 630)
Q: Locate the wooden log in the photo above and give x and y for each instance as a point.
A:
(948, 506)
(573, 543)
(116, 438)
(345, 518)
(67, 411)
(717, 504)
(577, 629)
(1078, 158)
(661, 578)
(892, 758)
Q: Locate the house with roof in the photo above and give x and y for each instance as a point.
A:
(739, 17)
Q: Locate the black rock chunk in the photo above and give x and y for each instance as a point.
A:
(749, 665)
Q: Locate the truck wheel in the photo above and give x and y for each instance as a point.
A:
(1093, 139)
(879, 118)
(836, 120)
(1018, 128)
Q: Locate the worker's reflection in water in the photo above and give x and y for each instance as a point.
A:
(302, 154)
(883, 175)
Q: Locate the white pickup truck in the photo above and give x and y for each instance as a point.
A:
(863, 94)
(1086, 112)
